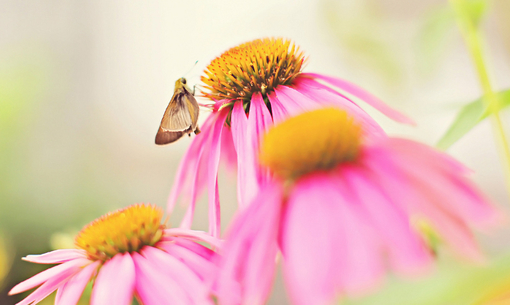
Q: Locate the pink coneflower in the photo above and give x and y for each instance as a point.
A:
(254, 85)
(128, 252)
(343, 211)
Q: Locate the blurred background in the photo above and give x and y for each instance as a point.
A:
(84, 84)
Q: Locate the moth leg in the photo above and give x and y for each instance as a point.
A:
(194, 89)
(197, 130)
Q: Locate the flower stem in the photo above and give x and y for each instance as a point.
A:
(471, 35)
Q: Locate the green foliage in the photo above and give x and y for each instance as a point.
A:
(468, 117)
(451, 284)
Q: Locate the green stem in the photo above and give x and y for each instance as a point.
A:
(472, 38)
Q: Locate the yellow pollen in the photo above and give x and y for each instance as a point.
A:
(126, 230)
(312, 141)
(256, 66)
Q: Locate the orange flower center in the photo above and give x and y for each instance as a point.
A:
(312, 141)
(126, 230)
(255, 66)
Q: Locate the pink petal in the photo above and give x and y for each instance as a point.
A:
(49, 286)
(416, 203)
(212, 175)
(201, 265)
(406, 250)
(294, 106)
(71, 291)
(154, 287)
(48, 274)
(247, 185)
(115, 282)
(327, 98)
(56, 257)
(195, 247)
(228, 150)
(363, 95)
(336, 250)
(194, 235)
(187, 182)
(259, 122)
(250, 251)
(279, 112)
(195, 288)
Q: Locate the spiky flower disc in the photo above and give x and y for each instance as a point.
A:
(256, 66)
(126, 230)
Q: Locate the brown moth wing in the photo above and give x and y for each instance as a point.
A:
(165, 137)
(192, 105)
(177, 117)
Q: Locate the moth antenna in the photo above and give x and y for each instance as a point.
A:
(191, 68)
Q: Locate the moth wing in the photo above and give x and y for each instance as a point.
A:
(165, 137)
(193, 109)
(177, 117)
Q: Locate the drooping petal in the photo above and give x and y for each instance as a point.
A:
(172, 267)
(336, 251)
(363, 95)
(49, 286)
(55, 257)
(212, 172)
(279, 112)
(406, 250)
(194, 235)
(201, 265)
(247, 185)
(248, 257)
(48, 274)
(293, 106)
(440, 177)
(71, 291)
(115, 282)
(228, 150)
(327, 97)
(187, 182)
(259, 122)
(410, 198)
(155, 288)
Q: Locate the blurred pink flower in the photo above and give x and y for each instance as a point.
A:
(343, 211)
(254, 85)
(128, 253)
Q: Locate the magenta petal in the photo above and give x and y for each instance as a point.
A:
(337, 250)
(56, 257)
(250, 250)
(48, 274)
(115, 282)
(155, 288)
(259, 122)
(71, 291)
(441, 178)
(308, 87)
(212, 176)
(407, 252)
(194, 287)
(279, 112)
(247, 185)
(196, 247)
(201, 265)
(363, 95)
(293, 106)
(188, 182)
(49, 286)
(194, 235)
(411, 199)
(228, 150)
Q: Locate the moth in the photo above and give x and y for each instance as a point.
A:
(180, 116)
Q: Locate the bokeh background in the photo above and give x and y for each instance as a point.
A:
(84, 84)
